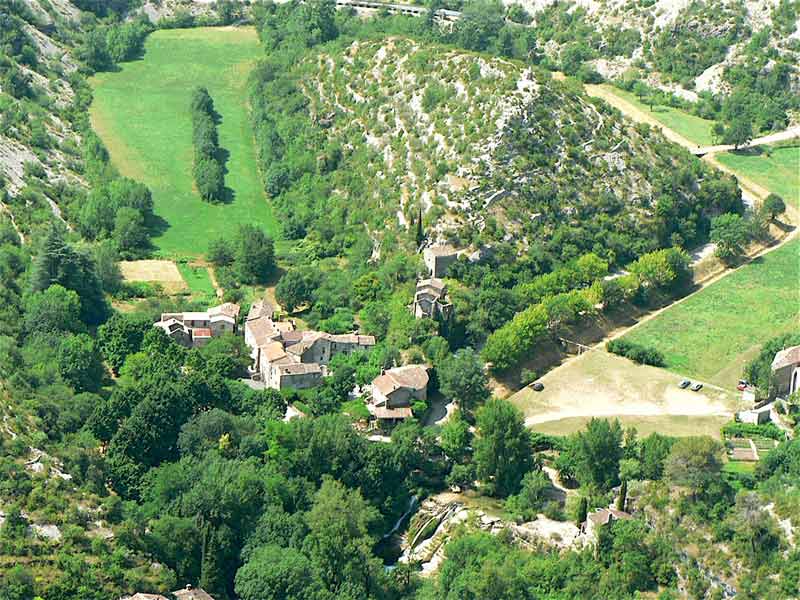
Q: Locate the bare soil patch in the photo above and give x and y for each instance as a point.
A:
(599, 384)
(164, 272)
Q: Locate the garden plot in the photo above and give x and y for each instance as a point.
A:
(599, 384)
(164, 272)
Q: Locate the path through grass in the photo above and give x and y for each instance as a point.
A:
(142, 115)
(691, 127)
(711, 334)
(779, 172)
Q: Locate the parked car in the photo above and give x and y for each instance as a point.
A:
(684, 384)
(742, 385)
(697, 387)
(538, 386)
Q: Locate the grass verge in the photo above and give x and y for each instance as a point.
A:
(776, 169)
(693, 128)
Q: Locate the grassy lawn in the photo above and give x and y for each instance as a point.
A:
(711, 334)
(674, 425)
(691, 127)
(779, 172)
(142, 115)
(739, 467)
(197, 279)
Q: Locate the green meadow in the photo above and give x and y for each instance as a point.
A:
(713, 333)
(777, 170)
(142, 115)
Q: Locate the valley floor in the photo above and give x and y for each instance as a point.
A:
(142, 115)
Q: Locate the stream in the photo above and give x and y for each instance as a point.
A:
(390, 547)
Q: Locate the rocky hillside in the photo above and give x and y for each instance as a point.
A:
(690, 42)
(39, 90)
(488, 150)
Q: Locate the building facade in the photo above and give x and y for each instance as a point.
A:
(285, 358)
(195, 329)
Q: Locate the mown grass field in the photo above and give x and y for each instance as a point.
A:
(142, 115)
(779, 172)
(691, 127)
(712, 334)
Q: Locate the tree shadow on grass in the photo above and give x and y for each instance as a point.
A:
(157, 225)
(222, 156)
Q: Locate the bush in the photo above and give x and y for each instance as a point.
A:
(636, 352)
(740, 430)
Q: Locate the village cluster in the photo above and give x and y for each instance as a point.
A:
(284, 357)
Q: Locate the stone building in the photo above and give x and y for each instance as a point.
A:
(786, 371)
(439, 258)
(286, 358)
(430, 300)
(602, 517)
(395, 390)
(195, 329)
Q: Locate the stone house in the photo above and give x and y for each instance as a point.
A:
(284, 358)
(786, 372)
(430, 300)
(439, 258)
(601, 517)
(395, 390)
(195, 329)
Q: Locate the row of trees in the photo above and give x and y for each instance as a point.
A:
(209, 166)
(665, 270)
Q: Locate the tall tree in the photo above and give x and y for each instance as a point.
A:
(338, 543)
(57, 262)
(255, 254)
(503, 449)
(695, 463)
(462, 378)
(598, 452)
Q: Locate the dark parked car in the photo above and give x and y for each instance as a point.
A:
(697, 387)
(684, 384)
(538, 386)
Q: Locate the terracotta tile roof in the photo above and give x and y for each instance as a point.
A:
(141, 596)
(291, 337)
(786, 357)
(445, 250)
(434, 283)
(201, 332)
(262, 329)
(261, 308)
(603, 516)
(273, 351)
(413, 377)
